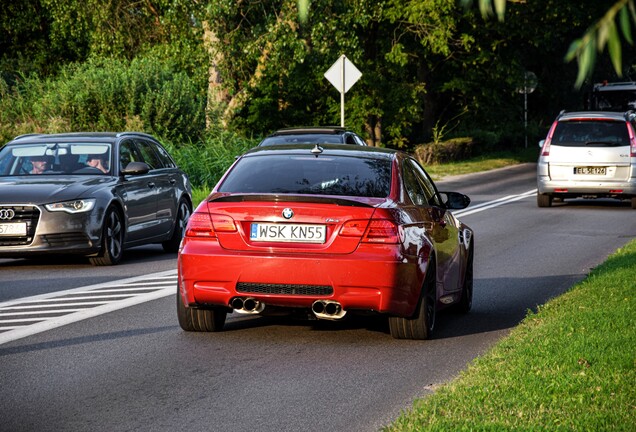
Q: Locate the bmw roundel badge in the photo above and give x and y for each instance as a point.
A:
(288, 213)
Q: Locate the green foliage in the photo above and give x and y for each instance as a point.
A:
(106, 94)
(206, 161)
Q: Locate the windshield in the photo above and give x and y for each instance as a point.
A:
(302, 139)
(55, 159)
(310, 175)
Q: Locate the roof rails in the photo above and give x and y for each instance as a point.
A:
(27, 135)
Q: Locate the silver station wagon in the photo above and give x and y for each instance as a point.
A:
(90, 194)
(588, 154)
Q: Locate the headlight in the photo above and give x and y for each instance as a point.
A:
(75, 206)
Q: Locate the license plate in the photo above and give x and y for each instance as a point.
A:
(590, 170)
(294, 233)
(13, 229)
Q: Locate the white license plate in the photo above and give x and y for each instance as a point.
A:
(281, 232)
(13, 229)
(590, 170)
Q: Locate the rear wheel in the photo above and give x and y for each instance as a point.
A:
(422, 324)
(183, 213)
(112, 240)
(544, 200)
(202, 320)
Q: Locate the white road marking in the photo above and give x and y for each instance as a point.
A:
(495, 203)
(161, 284)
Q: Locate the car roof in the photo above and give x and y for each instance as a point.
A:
(73, 136)
(330, 149)
(592, 115)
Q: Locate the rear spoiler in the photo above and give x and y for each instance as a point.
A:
(349, 202)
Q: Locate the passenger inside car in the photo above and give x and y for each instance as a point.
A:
(39, 164)
(97, 161)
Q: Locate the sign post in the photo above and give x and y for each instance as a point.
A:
(343, 75)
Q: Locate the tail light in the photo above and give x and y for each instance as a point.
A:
(207, 225)
(632, 140)
(373, 231)
(546, 145)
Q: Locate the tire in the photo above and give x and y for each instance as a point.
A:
(420, 326)
(544, 200)
(466, 303)
(112, 247)
(200, 320)
(634, 203)
(183, 214)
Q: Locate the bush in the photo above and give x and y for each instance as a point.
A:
(107, 95)
(205, 162)
(445, 151)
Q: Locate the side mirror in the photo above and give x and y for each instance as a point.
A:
(136, 168)
(541, 143)
(455, 200)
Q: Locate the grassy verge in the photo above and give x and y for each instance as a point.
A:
(482, 163)
(571, 366)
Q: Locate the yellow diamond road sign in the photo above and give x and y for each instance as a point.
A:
(343, 71)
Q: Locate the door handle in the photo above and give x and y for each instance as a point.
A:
(151, 185)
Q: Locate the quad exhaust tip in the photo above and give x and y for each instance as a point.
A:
(328, 309)
(247, 305)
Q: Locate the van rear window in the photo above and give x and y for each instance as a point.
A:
(591, 133)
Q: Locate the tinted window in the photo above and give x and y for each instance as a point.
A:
(302, 139)
(323, 175)
(590, 133)
(166, 160)
(149, 155)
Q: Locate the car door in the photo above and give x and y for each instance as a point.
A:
(164, 178)
(140, 196)
(444, 232)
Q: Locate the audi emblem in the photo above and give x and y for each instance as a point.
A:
(6, 214)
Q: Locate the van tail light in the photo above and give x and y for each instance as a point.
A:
(632, 140)
(545, 151)
(205, 225)
(373, 231)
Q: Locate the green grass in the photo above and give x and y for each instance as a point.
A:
(482, 163)
(571, 366)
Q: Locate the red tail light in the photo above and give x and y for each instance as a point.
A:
(374, 231)
(200, 225)
(207, 225)
(546, 145)
(381, 231)
(632, 140)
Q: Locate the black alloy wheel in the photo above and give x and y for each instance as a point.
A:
(421, 325)
(112, 240)
(183, 214)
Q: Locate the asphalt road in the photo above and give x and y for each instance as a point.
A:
(134, 369)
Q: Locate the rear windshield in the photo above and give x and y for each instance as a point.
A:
(310, 175)
(302, 139)
(591, 133)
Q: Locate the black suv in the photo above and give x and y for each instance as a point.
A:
(313, 135)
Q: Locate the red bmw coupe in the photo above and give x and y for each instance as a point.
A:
(329, 230)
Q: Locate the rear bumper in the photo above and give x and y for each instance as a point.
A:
(374, 278)
(598, 185)
(579, 188)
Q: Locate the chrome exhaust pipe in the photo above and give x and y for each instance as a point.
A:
(328, 309)
(247, 305)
